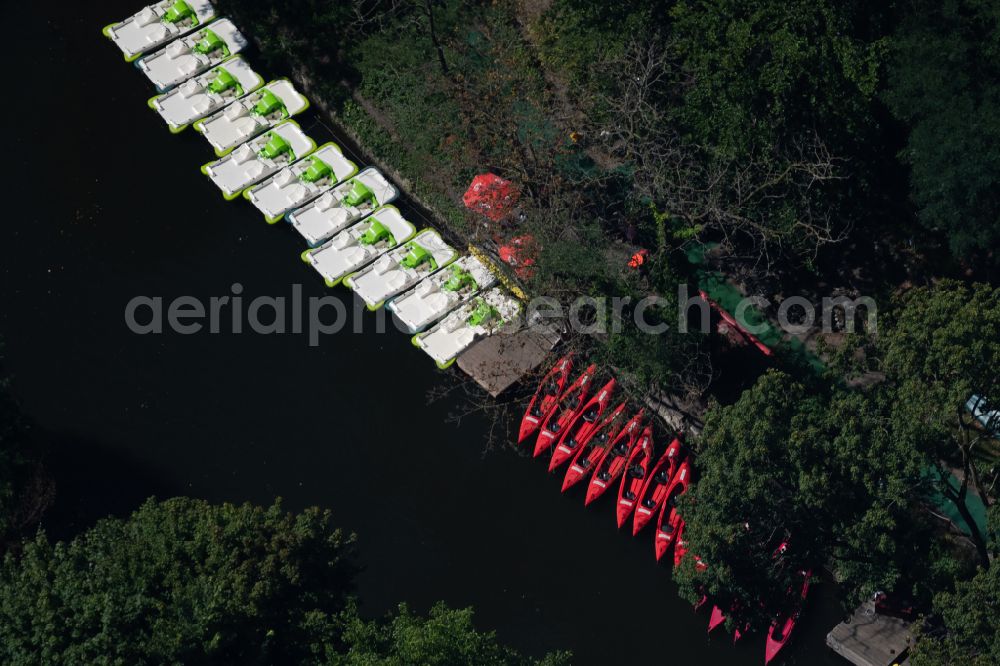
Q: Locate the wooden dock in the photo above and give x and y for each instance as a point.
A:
(870, 639)
(500, 361)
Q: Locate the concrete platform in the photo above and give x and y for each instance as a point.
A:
(500, 361)
(869, 639)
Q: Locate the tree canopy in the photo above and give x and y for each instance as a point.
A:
(187, 582)
(822, 473)
(944, 83)
(939, 346)
(969, 619)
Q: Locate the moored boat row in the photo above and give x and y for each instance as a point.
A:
(355, 236)
(607, 448)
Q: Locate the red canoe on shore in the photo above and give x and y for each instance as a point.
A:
(546, 397)
(591, 452)
(612, 462)
(580, 428)
(569, 405)
(666, 524)
(636, 472)
(781, 630)
(654, 491)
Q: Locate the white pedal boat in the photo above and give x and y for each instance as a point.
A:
(480, 317)
(438, 294)
(193, 54)
(342, 206)
(259, 158)
(203, 95)
(300, 182)
(251, 115)
(359, 245)
(401, 268)
(157, 24)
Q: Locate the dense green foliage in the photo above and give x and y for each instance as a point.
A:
(843, 474)
(940, 346)
(179, 582)
(820, 472)
(444, 638)
(945, 85)
(186, 582)
(763, 73)
(970, 620)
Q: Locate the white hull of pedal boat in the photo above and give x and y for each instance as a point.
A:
(205, 94)
(437, 295)
(480, 317)
(155, 25)
(342, 206)
(193, 54)
(250, 115)
(259, 158)
(401, 268)
(357, 246)
(300, 182)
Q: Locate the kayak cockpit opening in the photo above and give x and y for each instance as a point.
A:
(591, 414)
(636, 471)
(661, 477)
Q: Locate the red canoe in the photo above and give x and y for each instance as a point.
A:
(681, 547)
(569, 405)
(764, 349)
(717, 618)
(654, 491)
(636, 472)
(666, 524)
(580, 429)
(590, 452)
(666, 533)
(781, 631)
(613, 460)
(546, 397)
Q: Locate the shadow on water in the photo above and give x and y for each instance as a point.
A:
(94, 482)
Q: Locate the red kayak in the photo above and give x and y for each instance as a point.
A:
(591, 452)
(613, 460)
(569, 405)
(654, 491)
(636, 472)
(580, 429)
(546, 397)
(666, 524)
(717, 618)
(666, 533)
(681, 548)
(781, 630)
